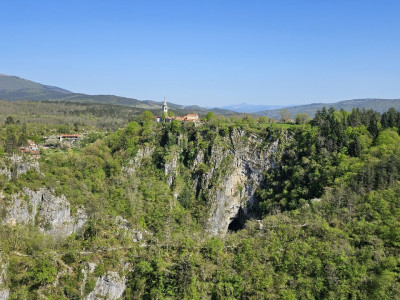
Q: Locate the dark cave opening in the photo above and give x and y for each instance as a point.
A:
(237, 222)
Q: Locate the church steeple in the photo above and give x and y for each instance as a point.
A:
(165, 107)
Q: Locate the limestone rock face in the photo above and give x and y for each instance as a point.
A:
(18, 165)
(226, 173)
(4, 291)
(51, 213)
(236, 173)
(21, 209)
(110, 286)
(142, 153)
(171, 167)
(124, 229)
(4, 294)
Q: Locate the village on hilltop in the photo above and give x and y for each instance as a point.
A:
(166, 118)
(67, 140)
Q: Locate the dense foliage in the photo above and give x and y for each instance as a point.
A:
(330, 209)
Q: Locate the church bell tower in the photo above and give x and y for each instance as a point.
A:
(165, 108)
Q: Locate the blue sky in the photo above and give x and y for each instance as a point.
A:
(209, 53)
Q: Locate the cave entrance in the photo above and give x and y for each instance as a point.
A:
(237, 222)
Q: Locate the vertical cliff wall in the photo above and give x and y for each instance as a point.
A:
(237, 166)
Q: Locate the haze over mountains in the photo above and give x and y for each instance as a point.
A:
(379, 105)
(13, 88)
(250, 108)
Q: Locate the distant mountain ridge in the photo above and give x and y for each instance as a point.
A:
(14, 83)
(379, 105)
(250, 108)
(13, 88)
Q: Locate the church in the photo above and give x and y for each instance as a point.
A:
(164, 115)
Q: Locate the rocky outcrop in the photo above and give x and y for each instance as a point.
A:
(4, 294)
(226, 173)
(171, 166)
(111, 286)
(124, 229)
(88, 269)
(51, 213)
(237, 171)
(4, 291)
(18, 165)
(22, 208)
(142, 153)
(55, 216)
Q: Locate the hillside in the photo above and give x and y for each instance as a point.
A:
(88, 115)
(230, 209)
(66, 115)
(379, 105)
(13, 88)
(250, 108)
(14, 83)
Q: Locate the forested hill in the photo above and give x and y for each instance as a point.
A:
(13, 83)
(13, 88)
(226, 209)
(379, 105)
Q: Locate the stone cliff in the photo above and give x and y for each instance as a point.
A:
(223, 172)
(52, 214)
(111, 286)
(237, 167)
(227, 174)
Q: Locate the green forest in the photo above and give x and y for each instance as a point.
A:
(323, 221)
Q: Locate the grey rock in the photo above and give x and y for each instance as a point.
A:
(142, 153)
(198, 160)
(124, 229)
(4, 291)
(52, 213)
(234, 196)
(4, 294)
(91, 267)
(111, 286)
(18, 165)
(171, 167)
